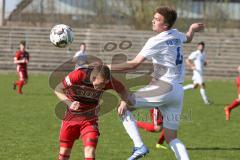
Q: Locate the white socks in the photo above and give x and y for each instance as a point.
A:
(179, 149)
(130, 126)
(189, 86)
(204, 97)
(202, 92)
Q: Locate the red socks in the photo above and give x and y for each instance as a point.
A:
(89, 158)
(147, 126)
(161, 138)
(150, 127)
(234, 104)
(20, 84)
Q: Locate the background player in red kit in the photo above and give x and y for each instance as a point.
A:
(21, 59)
(81, 90)
(236, 102)
(154, 126)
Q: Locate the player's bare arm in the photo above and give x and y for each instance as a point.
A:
(205, 63)
(195, 27)
(62, 97)
(190, 64)
(74, 59)
(16, 61)
(129, 64)
(122, 108)
(125, 97)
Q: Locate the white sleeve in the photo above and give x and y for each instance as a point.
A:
(68, 81)
(192, 56)
(76, 54)
(151, 48)
(182, 37)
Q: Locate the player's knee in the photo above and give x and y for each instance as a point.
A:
(89, 151)
(64, 153)
(202, 85)
(157, 128)
(170, 135)
(195, 86)
(238, 99)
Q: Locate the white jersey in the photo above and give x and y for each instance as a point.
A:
(81, 59)
(198, 59)
(166, 52)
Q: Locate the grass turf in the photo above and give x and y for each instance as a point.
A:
(29, 126)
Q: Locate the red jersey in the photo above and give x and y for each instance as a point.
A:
(77, 87)
(19, 56)
(238, 83)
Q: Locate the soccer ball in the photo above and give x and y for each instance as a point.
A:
(61, 35)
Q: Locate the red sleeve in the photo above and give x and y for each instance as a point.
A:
(115, 85)
(73, 78)
(18, 55)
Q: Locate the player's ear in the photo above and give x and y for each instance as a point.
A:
(166, 26)
(92, 78)
(107, 81)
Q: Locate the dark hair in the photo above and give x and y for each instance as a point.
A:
(83, 44)
(22, 43)
(201, 43)
(102, 70)
(169, 14)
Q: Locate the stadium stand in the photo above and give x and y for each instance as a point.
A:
(222, 48)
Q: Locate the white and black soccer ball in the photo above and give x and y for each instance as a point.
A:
(61, 35)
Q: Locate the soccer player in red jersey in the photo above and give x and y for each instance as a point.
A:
(81, 90)
(236, 102)
(154, 126)
(21, 59)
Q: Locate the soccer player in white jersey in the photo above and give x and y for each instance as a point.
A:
(196, 61)
(80, 57)
(165, 90)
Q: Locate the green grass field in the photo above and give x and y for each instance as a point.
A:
(29, 127)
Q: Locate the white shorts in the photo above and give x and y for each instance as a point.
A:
(169, 102)
(197, 77)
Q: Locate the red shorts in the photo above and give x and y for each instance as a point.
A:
(23, 75)
(239, 90)
(73, 130)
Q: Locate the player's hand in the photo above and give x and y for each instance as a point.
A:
(25, 60)
(193, 68)
(196, 27)
(205, 63)
(122, 108)
(74, 105)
